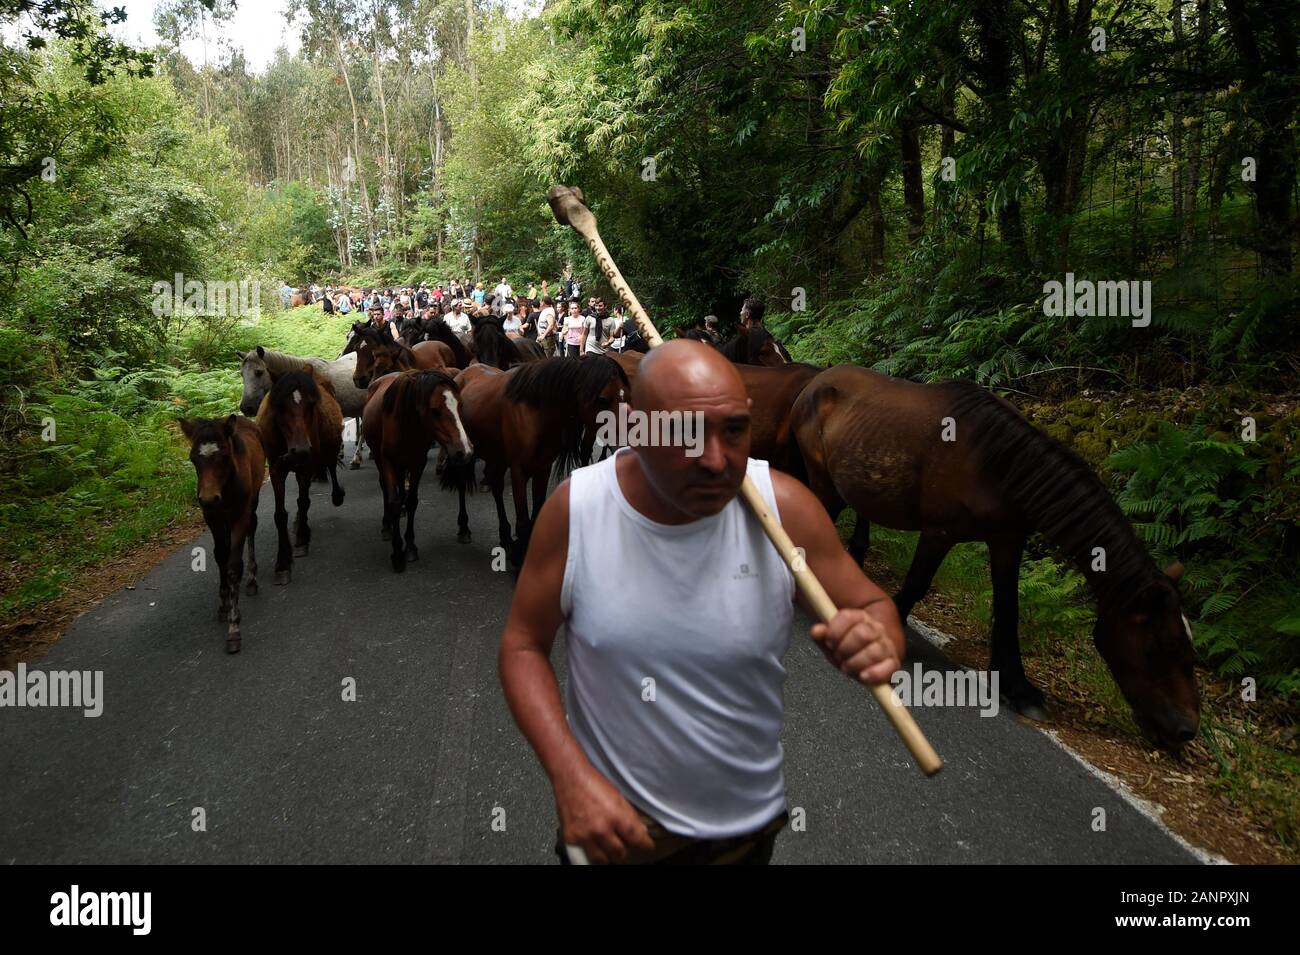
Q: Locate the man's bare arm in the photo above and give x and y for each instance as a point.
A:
(593, 814)
(865, 640)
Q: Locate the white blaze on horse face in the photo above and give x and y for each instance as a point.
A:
(1187, 626)
(452, 406)
(297, 397)
(207, 449)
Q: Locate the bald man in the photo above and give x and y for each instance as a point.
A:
(671, 749)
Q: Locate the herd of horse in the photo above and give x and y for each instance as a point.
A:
(950, 460)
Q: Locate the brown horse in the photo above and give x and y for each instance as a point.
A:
(437, 330)
(755, 346)
(405, 415)
(302, 430)
(379, 354)
(492, 346)
(524, 420)
(303, 296)
(773, 391)
(230, 466)
(960, 464)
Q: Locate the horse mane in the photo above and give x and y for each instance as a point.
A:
(743, 344)
(381, 337)
(699, 335)
(1056, 491)
(407, 398)
(437, 330)
(209, 429)
(552, 380)
(278, 362)
(494, 347)
(281, 392)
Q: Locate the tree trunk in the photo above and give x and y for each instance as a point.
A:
(995, 26)
(356, 145)
(876, 220)
(913, 186)
(1268, 83)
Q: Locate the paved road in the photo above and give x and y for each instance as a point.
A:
(417, 767)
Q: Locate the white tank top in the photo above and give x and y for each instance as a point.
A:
(704, 611)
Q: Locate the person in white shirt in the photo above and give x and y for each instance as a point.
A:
(503, 291)
(696, 775)
(458, 321)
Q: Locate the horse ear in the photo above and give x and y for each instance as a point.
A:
(1175, 571)
(242, 355)
(261, 352)
(187, 428)
(228, 426)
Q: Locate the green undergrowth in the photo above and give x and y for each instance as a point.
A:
(96, 464)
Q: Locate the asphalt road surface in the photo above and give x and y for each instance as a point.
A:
(427, 759)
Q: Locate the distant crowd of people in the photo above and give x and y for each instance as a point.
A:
(562, 322)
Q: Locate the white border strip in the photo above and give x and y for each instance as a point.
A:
(1151, 810)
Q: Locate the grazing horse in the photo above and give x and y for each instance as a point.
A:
(406, 414)
(378, 354)
(957, 463)
(260, 368)
(230, 466)
(524, 420)
(755, 346)
(302, 430)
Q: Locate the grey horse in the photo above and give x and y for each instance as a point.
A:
(260, 367)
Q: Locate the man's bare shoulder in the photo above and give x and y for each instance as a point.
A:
(797, 505)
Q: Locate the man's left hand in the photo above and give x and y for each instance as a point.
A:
(857, 644)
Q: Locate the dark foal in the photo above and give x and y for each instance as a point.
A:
(406, 415)
(302, 430)
(230, 466)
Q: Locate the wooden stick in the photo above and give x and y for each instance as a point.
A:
(570, 209)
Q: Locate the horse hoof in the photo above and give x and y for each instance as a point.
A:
(464, 537)
(232, 644)
(337, 497)
(399, 562)
(355, 465)
(412, 552)
(299, 550)
(251, 588)
(1028, 701)
(281, 578)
